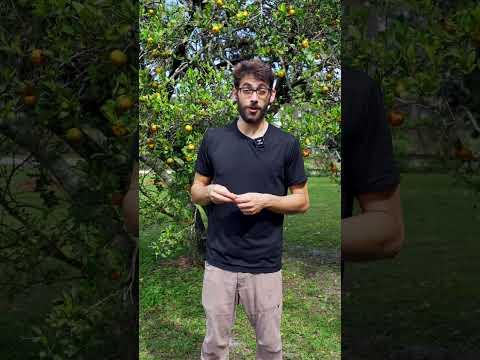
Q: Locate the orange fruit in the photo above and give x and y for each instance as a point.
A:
(119, 130)
(396, 118)
(37, 56)
(30, 100)
(124, 103)
(74, 135)
(118, 57)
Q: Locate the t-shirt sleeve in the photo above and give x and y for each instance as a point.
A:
(373, 165)
(295, 170)
(203, 165)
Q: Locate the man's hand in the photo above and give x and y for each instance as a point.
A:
(219, 194)
(251, 203)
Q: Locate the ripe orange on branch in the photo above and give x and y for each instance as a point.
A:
(396, 118)
(281, 73)
(464, 153)
(119, 130)
(37, 56)
(30, 100)
(118, 57)
(124, 103)
(74, 135)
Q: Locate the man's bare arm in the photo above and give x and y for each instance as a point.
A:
(294, 203)
(378, 232)
(130, 203)
(204, 193)
(298, 201)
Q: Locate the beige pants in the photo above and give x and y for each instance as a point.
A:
(260, 295)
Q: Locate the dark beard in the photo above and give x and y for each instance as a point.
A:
(243, 110)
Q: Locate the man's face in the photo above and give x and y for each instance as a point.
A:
(252, 105)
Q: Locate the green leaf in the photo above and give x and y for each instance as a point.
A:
(78, 7)
(203, 215)
(179, 161)
(67, 29)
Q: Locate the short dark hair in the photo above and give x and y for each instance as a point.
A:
(256, 67)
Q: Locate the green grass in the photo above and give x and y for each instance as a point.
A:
(429, 293)
(172, 324)
(320, 226)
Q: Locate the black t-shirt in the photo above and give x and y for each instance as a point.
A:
(367, 154)
(248, 243)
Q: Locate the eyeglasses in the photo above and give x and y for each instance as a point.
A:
(262, 92)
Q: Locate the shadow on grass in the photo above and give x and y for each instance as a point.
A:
(310, 262)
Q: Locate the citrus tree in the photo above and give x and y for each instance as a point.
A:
(68, 84)
(187, 53)
(427, 64)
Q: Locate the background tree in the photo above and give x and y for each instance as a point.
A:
(68, 83)
(428, 66)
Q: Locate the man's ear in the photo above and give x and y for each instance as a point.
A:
(272, 96)
(234, 95)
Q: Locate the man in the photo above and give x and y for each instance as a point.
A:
(243, 173)
(368, 174)
(130, 200)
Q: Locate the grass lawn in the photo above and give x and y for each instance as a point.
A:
(172, 322)
(429, 295)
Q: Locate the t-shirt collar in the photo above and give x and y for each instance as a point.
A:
(235, 128)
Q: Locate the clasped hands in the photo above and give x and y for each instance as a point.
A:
(249, 203)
